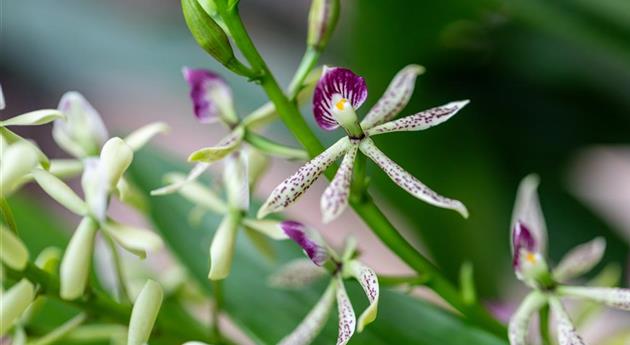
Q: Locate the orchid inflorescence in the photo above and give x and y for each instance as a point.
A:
(337, 94)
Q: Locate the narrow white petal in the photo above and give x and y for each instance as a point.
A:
(528, 211)
(222, 248)
(144, 313)
(335, 198)
(176, 181)
(235, 180)
(420, 121)
(580, 260)
(95, 190)
(369, 282)
(60, 191)
(2, 102)
(14, 303)
(141, 136)
(197, 193)
(33, 118)
(268, 227)
(65, 168)
(257, 166)
(220, 150)
(395, 97)
(567, 334)
(136, 240)
(347, 319)
(293, 187)
(314, 321)
(74, 269)
(407, 181)
(519, 322)
(296, 274)
(613, 297)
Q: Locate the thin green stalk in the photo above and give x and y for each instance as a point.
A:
(121, 282)
(309, 60)
(271, 147)
(364, 207)
(7, 215)
(543, 324)
(412, 280)
(61, 331)
(216, 307)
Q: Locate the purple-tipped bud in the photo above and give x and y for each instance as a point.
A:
(310, 240)
(522, 238)
(211, 96)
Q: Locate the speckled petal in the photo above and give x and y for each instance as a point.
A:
(407, 181)
(612, 297)
(309, 239)
(347, 319)
(314, 321)
(580, 260)
(335, 197)
(519, 322)
(369, 282)
(223, 148)
(287, 192)
(341, 81)
(567, 334)
(296, 274)
(211, 96)
(527, 211)
(420, 121)
(395, 97)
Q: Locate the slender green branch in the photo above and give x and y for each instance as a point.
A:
(543, 324)
(268, 146)
(216, 307)
(61, 331)
(7, 215)
(364, 207)
(412, 280)
(309, 60)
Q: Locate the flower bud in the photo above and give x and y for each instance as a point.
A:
(207, 32)
(13, 252)
(75, 265)
(322, 20)
(222, 248)
(82, 132)
(94, 188)
(17, 161)
(14, 302)
(144, 313)
(116, 156)
(48, 259)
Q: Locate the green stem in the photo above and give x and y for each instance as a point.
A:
(364, 207)
(61, 331)
(7, 215)
(309, 60)
(543, 324)
(413, 280)
(100, 305)
(123, 291)
(271, 147)
(216, 307)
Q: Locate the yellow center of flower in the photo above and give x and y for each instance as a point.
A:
(530, 257)
(341, 103)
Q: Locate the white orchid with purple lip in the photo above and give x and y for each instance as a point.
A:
(297, 274)
(529, 241)
(338, 94)
(213, 102)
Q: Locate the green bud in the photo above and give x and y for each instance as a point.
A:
(322, 20)
(76, 262)
(49, 259)
(144, 313)
(207, 32)
(116, 156)
(13, 253)
(222, 247)
(17, 160)
(14, 302)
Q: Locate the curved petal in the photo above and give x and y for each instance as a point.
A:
(580, 260)
(17, 161)
(293, 187)
(347, 319)
(9, 138)
(178, 181)
(527, 211)
(269, 228)
(2, 102)
(336, 81)
(235, 180)
(296, 274)
(309, 239)
(314, 321)
(335, 197)
(222, 248)
(612, 297)
(60, 191)
(566, 331)
(519, 322)
(395, 97)
(198, 194)
(14, 303)
(33, 118)
(224, 147)
(141, 136)
(211, 96)
(144, 313)
(13, 252)
(420, 121)
(369, 282)
(407, 181)
(135, 240)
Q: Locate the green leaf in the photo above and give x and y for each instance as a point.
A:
(267, 314)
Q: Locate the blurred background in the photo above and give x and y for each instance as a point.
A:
(549, 84)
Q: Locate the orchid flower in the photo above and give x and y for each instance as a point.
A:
(236, 177)
(296, 274)
(100, 179)
(338, 94)
(212, 102)
(529, 241)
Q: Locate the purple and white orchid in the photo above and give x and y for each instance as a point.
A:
(529, 242)
(297, 274)
(338, 94)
